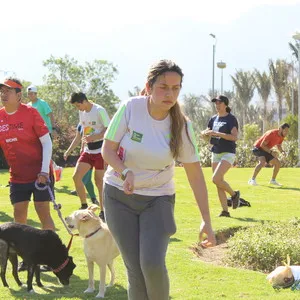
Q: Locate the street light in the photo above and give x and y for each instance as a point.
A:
(5, 72)
(213, 66)
(221, 65)
(296, 37)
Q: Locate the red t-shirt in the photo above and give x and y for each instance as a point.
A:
(271, 139)
(19, 140)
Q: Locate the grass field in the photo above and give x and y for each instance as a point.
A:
(191, 279)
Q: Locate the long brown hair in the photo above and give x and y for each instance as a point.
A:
(178, 119)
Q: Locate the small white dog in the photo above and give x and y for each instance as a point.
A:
(284, 276)
(99, 245)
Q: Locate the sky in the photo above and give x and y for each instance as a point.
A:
(133, 34)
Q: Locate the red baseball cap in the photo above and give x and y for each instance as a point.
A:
(11, 84)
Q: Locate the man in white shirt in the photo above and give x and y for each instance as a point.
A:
(94, 121)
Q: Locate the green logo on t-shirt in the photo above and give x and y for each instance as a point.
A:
(137, 137)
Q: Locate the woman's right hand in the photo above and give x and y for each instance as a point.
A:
(206, 230)
(66, 154)
(128, 184)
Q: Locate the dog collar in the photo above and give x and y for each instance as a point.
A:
(91, 234)
(61, 266)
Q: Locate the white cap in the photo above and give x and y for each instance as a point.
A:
(32, 88)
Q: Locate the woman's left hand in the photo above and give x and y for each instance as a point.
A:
(128, 184)
(211, 133)
(88, 139)
(210, 240)
(42, 178)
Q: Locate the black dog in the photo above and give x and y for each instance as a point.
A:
(36, 247)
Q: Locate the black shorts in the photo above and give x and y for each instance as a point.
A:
(260, 152)
(20, 192)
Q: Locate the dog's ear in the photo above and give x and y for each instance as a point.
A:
(93, 207)
(85, 217)
(288, 261)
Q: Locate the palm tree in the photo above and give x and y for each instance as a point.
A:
(198, 109)
(136, 91)
(279, 72)
(292, 93)
(262, 82)
(244, 90)
(295, 48)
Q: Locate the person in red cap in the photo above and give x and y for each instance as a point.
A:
(27, 147)
(222, 129)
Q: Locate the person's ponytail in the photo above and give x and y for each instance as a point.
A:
(228, 109)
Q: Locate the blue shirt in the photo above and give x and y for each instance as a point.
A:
(224, 125)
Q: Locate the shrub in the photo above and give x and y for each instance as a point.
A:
(204, 153)
(292, 120)
(244, 156)
(291, 158)
(246, 159)
(251, 133)
(264, 247)
(3, 163)
(63, 141)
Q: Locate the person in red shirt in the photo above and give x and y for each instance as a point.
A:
(263, 150)
(27, 147)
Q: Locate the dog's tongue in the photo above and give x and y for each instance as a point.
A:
(296, 272)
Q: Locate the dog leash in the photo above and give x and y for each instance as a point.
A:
(56, 206)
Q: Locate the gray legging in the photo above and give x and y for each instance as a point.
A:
(142, 226)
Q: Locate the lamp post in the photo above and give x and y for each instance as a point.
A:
(213, 66)
(5, 72)
(296, 36)
(221, 65)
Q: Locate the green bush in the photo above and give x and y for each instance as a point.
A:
(63, 141)
(291, 158)
(251, 132)
(292, 120)
(204, 153)
(265, 246)
(3, 163)
(244, 156)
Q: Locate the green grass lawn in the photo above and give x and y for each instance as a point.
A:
(190, 278)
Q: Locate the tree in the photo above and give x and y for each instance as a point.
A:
(66, 75)
(251, 133)
(262, 82)
(294, 49)
(244, 90)
(279, 72)
(198, 110)
(136, 91)
(292, 120)
(292, 91)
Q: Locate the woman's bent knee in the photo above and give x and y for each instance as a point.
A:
(216, 180)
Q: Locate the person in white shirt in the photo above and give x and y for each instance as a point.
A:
(94, 120)
(141, 143)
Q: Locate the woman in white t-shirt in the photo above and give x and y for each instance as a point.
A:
(142, 141)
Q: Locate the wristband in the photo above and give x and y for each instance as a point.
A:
(43, 174)
(124, 173)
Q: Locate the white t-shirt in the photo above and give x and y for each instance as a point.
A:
(144, 148)
(93, 122)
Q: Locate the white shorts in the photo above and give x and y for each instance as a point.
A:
(218, 157)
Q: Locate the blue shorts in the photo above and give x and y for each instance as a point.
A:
(20, 192)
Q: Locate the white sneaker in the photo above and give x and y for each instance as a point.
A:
(274, 182)
(252, 182)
